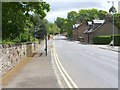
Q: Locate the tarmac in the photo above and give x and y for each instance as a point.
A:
(37, 73)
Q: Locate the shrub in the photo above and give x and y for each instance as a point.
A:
(117, 40)
(102, 40)
(107, 40)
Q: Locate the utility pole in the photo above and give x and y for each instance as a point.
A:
(113, 31)
(113, 23)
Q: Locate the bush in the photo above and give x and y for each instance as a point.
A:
(106, 40)
(117, 40)
(102, 40)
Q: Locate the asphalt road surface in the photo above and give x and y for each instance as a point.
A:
(88, 65)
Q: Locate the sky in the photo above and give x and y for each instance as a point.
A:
(62, 7)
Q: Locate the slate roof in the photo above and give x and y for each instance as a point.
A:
(96, 21)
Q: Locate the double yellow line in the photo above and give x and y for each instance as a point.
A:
(66, 77)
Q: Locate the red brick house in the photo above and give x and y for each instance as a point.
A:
(78, 30)
(99, 28)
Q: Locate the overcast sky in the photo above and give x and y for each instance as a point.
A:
(62, 7)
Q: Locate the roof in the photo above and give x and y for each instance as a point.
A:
(89, 22)
(98, 21)
(88, 31)
(101, 22)
(76, 25)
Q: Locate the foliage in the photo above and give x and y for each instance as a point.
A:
(60, 23)
(102, 40)
(53, 28)
(17, 19)
(107, 40)
(117, 19)
(78, 17)
(117, 40)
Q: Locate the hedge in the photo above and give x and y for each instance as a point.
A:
(106, 40)
(117, 40)
(102, 40)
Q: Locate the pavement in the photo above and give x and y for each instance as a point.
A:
(37, 73)
(106, 47)
(112, 48)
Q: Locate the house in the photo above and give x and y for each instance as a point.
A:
(78, 30)
(119, 7)
(99, 28)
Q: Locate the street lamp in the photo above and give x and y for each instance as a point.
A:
(113, 11)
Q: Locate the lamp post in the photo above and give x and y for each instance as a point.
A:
(113, 32)
(113, 24)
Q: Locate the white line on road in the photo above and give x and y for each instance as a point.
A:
(63, 72)
(67, 82)
(109, 59)
(55, 71)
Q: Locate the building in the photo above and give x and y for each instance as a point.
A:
(104, 28)
(78, 31)
(119, 7)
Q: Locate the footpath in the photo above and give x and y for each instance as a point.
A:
(37, 73)
(106, 47)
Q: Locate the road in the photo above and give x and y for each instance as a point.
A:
(88, 65)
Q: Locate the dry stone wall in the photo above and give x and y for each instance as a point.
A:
(10, 55)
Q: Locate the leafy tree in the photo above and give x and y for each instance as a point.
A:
(17, 17)
(84, 15)
(117, 20)
(102, 14)
(72, 16)
(53, 28)
(60, 22)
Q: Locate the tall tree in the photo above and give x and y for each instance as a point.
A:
(60, 22)
(16, 17)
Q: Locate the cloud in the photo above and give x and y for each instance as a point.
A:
(62, 7)
(55, 6)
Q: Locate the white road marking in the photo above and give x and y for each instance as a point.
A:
(67, 82)
(63, 72)
(55, 71)
(109, 59)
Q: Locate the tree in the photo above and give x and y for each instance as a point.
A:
(53, 28)
(117, 20)
(16, 17)
(102, 14)
(60, 22)
(74, 17)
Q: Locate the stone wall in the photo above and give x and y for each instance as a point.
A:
(10, 55)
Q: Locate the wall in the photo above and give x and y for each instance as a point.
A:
(82, 28)
(12, 55)
(78, 32)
